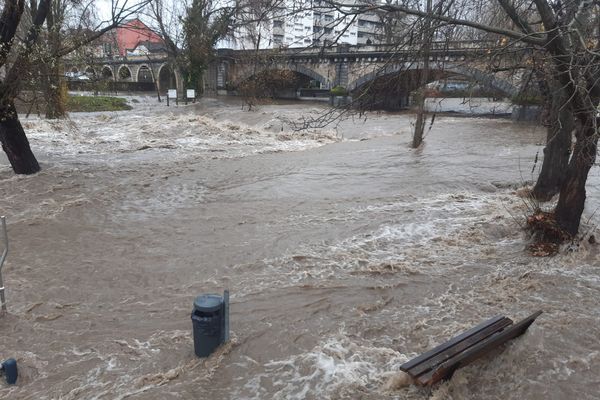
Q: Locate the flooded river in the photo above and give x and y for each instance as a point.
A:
(346, 253)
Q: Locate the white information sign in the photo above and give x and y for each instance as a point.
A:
(172, 93)
(191, 93)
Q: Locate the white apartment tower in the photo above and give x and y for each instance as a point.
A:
(296, 26)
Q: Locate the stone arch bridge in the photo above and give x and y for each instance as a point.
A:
(354, 67)
(143, 71)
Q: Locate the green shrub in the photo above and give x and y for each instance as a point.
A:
(339, 91)
(96, 103)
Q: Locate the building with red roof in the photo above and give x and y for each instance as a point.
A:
(132, 33)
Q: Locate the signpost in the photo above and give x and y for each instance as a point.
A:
(190, 94)
(172, 94)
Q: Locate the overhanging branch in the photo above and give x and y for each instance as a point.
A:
(537, 39)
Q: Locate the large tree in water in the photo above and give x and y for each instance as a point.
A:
(566, 35)
(21, 25)
(12, 136)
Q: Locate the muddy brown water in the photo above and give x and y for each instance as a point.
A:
(344, 258)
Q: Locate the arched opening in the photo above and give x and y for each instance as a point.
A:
(166, 78)
(107, 73)
(90, 72)
(74, 70)
(277, 83)
(145, 74)
(124, 73)
(390, 92)
(393, 91)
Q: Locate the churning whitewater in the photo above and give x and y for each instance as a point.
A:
(346, 254)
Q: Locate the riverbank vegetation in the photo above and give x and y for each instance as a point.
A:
(96, 103)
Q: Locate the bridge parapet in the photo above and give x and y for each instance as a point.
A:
(437, 47)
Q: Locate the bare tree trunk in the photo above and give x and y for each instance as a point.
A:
(558, 146)
(571, 201)
(15, 143)
(420, 123)
(54, 93)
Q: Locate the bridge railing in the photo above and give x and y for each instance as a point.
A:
(437, 46)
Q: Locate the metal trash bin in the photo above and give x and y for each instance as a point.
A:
(10, 371)
(210, 321)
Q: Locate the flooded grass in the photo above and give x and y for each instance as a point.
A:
(96, 104)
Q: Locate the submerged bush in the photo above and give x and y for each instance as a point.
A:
(338, 91)
(96, 103)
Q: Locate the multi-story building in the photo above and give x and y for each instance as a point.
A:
(314, 25)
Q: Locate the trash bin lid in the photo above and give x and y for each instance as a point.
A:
(208, 302)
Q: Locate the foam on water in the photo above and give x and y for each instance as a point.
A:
(340, 366)
(183, 131)
(425, 236)
(331, 291)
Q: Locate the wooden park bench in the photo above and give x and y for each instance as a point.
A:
(441, 362)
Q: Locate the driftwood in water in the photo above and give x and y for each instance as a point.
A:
(441, 362)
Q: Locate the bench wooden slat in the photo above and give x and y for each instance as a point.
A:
(444, 346)
(446, 369)
(459, 347)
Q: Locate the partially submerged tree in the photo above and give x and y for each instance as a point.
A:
(165, 19)
(426, 39)
(205, 23)
(18, 52)
(567, 35)
(15, 57)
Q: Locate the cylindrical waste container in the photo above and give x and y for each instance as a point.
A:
(208, 320)
(9, 368)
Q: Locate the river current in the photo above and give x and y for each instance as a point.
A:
(346, 254)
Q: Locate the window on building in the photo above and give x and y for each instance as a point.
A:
(277, 24)
(328, 30)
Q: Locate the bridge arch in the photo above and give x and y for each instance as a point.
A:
(475, 74)
(167, 78)
(144, 74)
(124, 73)
(325, 83)
(107, 73)
(75, 70)
(301, 69)
(90, 71)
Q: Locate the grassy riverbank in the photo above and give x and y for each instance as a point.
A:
(96, 103)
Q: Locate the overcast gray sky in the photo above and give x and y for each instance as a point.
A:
(104, 6)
